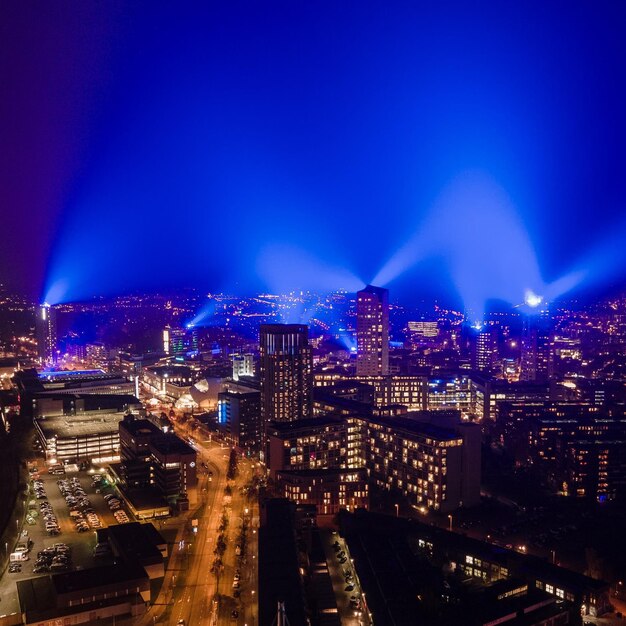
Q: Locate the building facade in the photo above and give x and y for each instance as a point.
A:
(435, 466)
(329, 490)
(239, 418)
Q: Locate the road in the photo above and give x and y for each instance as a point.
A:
(189, 589)
(241, 508)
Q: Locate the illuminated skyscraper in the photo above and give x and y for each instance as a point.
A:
(485, 349)
(372, 331)
(173, 340)
(535, 348)
(179, 340)
(46, 333)
(285, 372)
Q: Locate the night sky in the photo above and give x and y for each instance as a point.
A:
(263, 145)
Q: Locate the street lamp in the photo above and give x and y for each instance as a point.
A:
(450, 525)
(397, 509)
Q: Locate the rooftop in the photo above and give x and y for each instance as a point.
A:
(78, 425)
(140, 426)
(313, 422)
(137, 542)
(171, 444)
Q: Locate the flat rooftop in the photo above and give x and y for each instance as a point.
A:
(171, 444)
(79, 426)
(415, 427)
(141, 426)
(137, 542)
(313, 422)
(60, 376)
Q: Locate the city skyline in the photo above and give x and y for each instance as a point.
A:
(446, 96)
(312, 313)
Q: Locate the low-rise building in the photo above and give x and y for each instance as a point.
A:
(84, 596)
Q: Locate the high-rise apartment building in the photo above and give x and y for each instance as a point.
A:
(285, 373)
(372, 331)
(46, 333)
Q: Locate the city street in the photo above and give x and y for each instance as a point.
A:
(189, 587)
(337, 570)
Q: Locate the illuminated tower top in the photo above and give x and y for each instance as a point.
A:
(372, 331)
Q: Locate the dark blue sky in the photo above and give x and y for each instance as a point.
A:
(269, 145)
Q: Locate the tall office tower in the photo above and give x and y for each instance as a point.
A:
(484, 349)
(285, 372)
(47, 333)
(535, 348)
(372, 331)
(173, 340)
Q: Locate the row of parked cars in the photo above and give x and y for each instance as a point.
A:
(39, 489)
(355, 600)
(115, 504)
(50, 521)
(56, 558)
(81, 510)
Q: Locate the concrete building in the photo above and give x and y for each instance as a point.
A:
(50, 404)
(378, 544)
(535, 358)
(372, 331)
(173, 381)
(580, 446)
(434, 466)
(77, 438)
(136, 543)
(318, 443)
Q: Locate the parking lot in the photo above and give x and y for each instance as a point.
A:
(69, 506)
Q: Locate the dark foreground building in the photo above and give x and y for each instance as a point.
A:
(412, 572)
